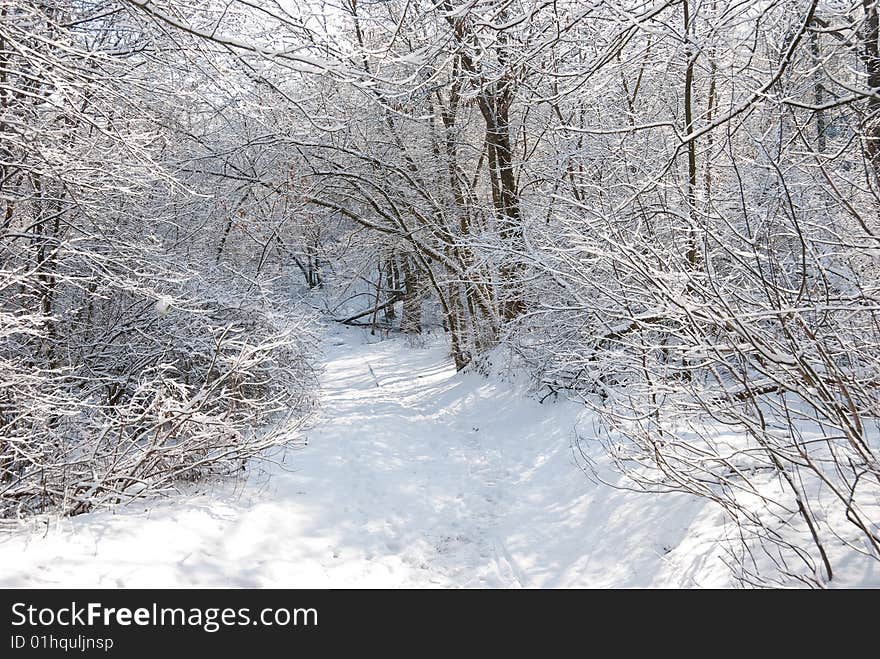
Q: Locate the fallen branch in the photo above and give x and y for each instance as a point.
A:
(350, 320)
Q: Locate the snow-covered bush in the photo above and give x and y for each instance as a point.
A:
(143, 400)
(134, 353)
(714, 299)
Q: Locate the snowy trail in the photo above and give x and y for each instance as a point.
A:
(414, 476)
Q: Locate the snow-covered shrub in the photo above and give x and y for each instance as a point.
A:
(714, 300)
(144, 399)
(134, 351)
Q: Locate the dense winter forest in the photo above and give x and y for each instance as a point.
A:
(665, 210)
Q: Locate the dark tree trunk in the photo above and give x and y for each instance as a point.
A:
(411, 318)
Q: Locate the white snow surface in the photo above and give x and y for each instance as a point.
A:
(414, 476)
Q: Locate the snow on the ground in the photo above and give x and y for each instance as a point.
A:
(413, 476)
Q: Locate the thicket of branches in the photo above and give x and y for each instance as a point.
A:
(666, 208)
(134, 351)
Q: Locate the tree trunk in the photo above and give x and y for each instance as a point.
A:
(411, 318)
(871, 61)
(392, 285)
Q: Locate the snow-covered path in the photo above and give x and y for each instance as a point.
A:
(413, 476)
